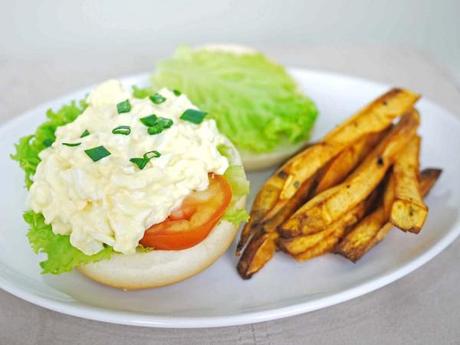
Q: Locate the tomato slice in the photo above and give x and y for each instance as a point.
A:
(195, 219)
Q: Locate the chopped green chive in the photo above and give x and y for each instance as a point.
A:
(161, 124)
(124, 107)
(177, 92)
(71, 144)
(193, 115)
(156, 124)
(152, 154)
(84, 134)
(142, 162)
(97, 153)
(150, 120)
(157, 98)
(155, 129)
(48, 142)
(123, 130)
(165, 123)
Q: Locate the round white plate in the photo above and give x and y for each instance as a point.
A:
(218, 296)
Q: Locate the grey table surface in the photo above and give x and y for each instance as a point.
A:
(421, 308)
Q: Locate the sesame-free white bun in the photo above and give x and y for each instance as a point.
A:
(164, 267)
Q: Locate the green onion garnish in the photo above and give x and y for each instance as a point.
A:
(165, 123)
(124, 107)
(193, 115)
(155, 129)
(150, 120)
(157, 98)
(152, 154)
(123, 130)
(156, 124)
(97, 153)
(142, 162)
(84, 134)
(177, 92)
(71, 144)
(161, 124)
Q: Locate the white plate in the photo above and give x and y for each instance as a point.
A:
(218, 297)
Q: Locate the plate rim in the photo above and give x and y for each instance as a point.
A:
(148, 320)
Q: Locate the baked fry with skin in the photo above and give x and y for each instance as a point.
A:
(264, 201)
(258, 252)
(342, 165)
(373, 228)
(262, 245)
(254, 259)
(375, 117)
(325, 208)
(301, 244)
(408, 211)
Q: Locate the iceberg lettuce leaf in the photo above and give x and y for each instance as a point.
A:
(254, 101)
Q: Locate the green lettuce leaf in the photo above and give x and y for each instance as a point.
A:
(29, 147)
(239, 184)
(254, 101)
(61, 255)
(237, 179)
(236, 215)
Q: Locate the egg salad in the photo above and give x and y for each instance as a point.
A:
(123, 165)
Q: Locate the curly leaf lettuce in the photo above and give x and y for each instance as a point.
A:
(254, 101)
(29, 147)
(61, 255)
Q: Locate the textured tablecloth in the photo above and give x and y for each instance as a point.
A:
(422, 308)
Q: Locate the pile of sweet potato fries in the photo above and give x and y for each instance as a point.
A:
(344, 193)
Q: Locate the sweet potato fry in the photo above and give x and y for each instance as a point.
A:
(262, 244)
(265, 200)
(408, 212)
(261, 248)
(297, 245)
(333, 173)
(375, 117)
(282, 186)
(257, 253)
(254, 259)
(374, 227)
(328, 206)
(324, 247)
(342, 165)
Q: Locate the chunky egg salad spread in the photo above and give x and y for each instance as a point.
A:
(123, 165)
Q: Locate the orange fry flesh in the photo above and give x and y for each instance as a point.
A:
(374, 227)
(409, 211)
(333, 203)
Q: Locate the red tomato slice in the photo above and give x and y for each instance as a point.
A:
(195, 219)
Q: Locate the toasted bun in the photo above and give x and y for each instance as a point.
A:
(164, 267)
(259, 161)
